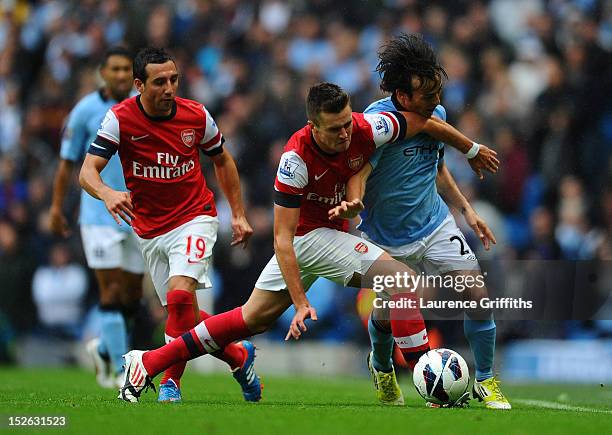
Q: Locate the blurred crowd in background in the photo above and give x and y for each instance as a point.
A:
(530, 78)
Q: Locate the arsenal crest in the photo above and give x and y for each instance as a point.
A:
(188, 136)
(355, 162)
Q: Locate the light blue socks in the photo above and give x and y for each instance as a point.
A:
(481, 336)
(113, 337)
(382, 346)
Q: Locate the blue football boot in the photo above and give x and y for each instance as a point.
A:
(246, 376)
(169, 392)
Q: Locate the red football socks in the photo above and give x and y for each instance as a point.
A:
(208, 336)
(409, 332)
(181, 318)
(232, 354)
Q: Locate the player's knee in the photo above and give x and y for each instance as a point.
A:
(257, 324)
(390, 266)
(383, 323)
(389, 275)
(131, 295)
(183, 282)
(110, 293)
(259, 321)
(255, 319)
(478, 293)
(479, 313)
(259, 328)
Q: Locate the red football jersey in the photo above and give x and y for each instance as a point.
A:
(316, 181)
(160, 160)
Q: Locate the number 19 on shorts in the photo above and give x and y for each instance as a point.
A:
(197, 246)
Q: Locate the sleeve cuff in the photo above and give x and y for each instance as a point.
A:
(287, 200)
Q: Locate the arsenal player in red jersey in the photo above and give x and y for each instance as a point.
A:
(159, 137)
(311, 179)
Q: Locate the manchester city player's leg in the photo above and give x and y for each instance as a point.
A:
(118, 267)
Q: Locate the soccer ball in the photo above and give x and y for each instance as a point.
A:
(441, 376)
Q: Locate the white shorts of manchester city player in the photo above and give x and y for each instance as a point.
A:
(325, 253)
(444, 250)
(107, 247)
(185, 250)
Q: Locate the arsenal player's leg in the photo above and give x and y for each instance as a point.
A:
(184, 314)
(210, 336)
(178, 262)
(352, 267)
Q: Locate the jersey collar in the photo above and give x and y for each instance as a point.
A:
(107, 98)
(156, 118)
(316, 146)
(102, 96)
(396, 103)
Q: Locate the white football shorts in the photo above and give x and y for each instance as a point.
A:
(444, 250)
(185, 250)
(107, 247)
(325, 253)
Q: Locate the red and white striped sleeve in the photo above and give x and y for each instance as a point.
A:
(387, 127)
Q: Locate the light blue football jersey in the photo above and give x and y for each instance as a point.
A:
(79, 132)
(401, 201)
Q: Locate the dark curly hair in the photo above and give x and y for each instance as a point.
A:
(407, 57)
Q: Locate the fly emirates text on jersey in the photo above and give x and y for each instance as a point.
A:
(167, 167)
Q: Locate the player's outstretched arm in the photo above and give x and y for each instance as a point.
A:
(227, 175)
(57, 221)
(449, 191)
(285, 224)
(480, 157)
(355, 190)
(118, 204)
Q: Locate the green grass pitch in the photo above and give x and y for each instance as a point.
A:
(213, 405)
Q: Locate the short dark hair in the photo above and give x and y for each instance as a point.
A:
(146, 56)
(325, 97)
(404, 58)
(117, 50)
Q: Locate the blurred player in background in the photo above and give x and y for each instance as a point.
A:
(111, 250)
(317, 162)
(405, 189)
(159, 137)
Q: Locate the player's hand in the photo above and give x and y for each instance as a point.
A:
(241, 231)
(486, 159)
(58, 223)
(302, 313)
(119, 205)
(480, 228)
(346, 210)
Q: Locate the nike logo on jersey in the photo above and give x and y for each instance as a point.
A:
(135, 138)
(190, 261)
(318, 177)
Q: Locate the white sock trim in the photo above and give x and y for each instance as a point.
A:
(205, 338)
(410, 341)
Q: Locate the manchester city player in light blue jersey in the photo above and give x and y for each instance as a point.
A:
(407, 190)
(111, 250)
